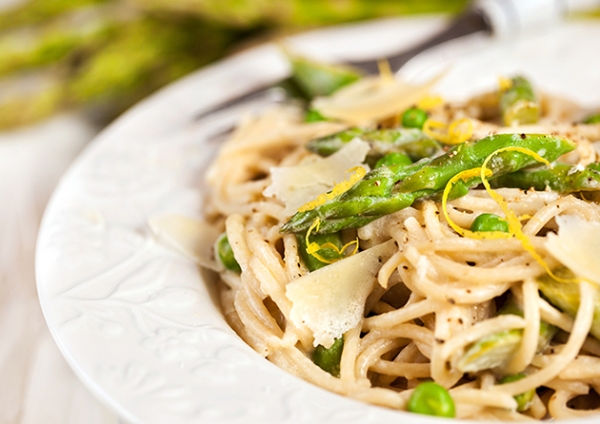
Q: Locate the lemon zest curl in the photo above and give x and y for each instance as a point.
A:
(430, 102)
(504, 84)
(357, 173)
(312, 248)
(515, 228)
(457, 132)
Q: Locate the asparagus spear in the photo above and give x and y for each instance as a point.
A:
(592, 119)
(225, 254)
(116, 66)
(35, 11)
(386, 190)
(410, 141)
(299, 13)
(562, 178)
(565, 296)
(54, 43)
(519, 104)
(321, 79)
(496, 349)
(328, 359)
(524, 400)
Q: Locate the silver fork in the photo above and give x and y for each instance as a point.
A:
(499, 18)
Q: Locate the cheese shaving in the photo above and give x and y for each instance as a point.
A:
(331, 300)
(372, 99)
(297, 185)
(192, 237)
(356, 174)
(577, 246)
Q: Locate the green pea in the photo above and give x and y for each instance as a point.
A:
(313, 115)
(225, 254)
(328, 359)
(430, 398)
(394, 159)
(414, 118)
(524, 399)
(489, 222)
(592, 119)
(330, 253)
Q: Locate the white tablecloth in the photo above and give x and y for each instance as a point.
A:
(36, 384)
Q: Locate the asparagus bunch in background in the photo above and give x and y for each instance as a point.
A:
(105, 55)
(100, 55)
(301, 13)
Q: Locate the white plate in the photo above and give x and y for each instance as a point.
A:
(137, 322)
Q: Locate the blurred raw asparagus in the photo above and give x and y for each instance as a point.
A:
(105, 55)
(300, 13)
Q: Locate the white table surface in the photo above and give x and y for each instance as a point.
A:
(36, 384)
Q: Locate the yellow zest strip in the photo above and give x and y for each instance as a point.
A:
(430, 102)
(357, 173)
(385, 71)
(458, 132)
(514, 224)
(504, 83)
(430, 128)
(480, 235)
(312, 247)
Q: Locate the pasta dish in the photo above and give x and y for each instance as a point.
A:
(415, 253)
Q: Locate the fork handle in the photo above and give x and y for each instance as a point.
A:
(509, 18)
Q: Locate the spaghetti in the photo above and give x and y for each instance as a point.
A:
(435, 300)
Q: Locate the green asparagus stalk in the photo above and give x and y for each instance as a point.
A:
(562, 178)
(329, 359)
(386, 190)
(519, 104)
(524, 400)
(53, 44)
(299, 13)
(320, 79)
(565, 296)
(225, 254)
(592, 119)
(410, 141)
(112, 68)
(33, 12)
(108, 68)
(495, 350)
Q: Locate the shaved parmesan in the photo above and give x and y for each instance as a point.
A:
(192, 237)
(372, 99)
(577, 246)
(297, 185)
(331, 300)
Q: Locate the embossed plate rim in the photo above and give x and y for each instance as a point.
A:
(152, 346)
